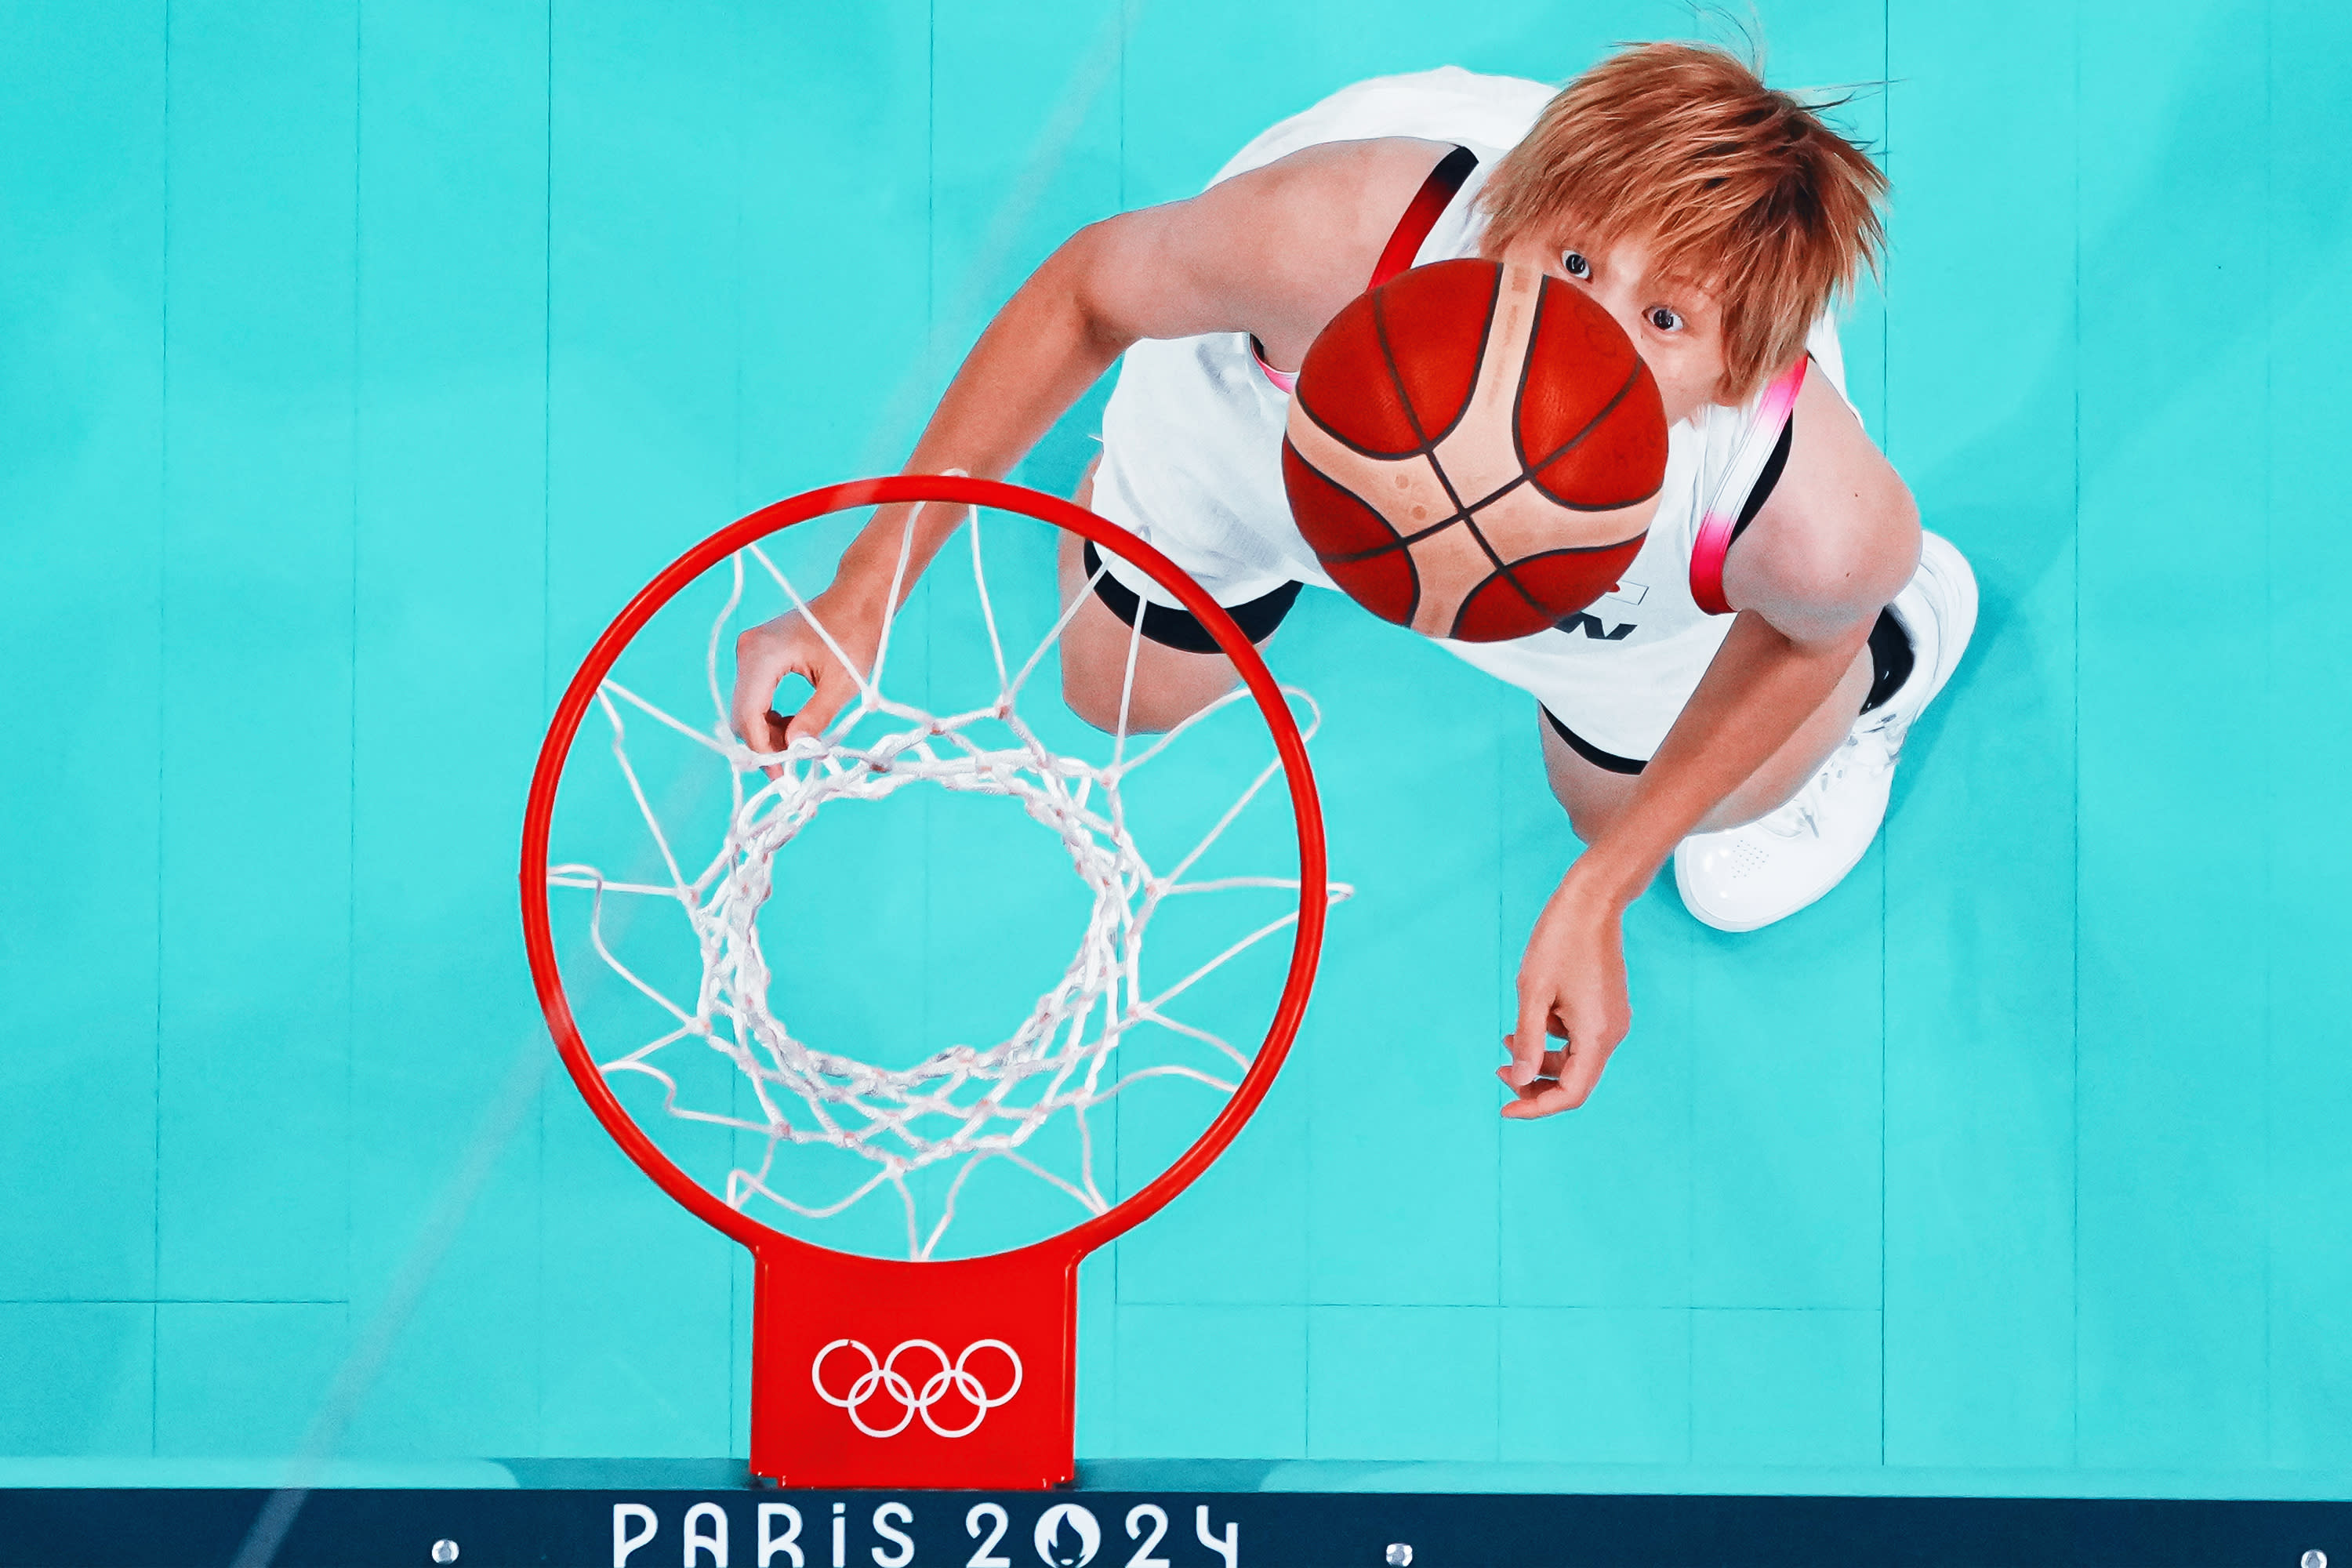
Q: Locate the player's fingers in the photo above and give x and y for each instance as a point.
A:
(1563, 1086)
(760, 727)
(1591, 1036)
(1547, 1069)
(833, 689)
(1578, 1076)
(1539, 1100)
(761, 661)
(1540, 1096)
(1528, 1042)
(1563, 1078)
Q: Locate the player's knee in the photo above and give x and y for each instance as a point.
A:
(1587, 819)
(1097, 690)
(1085, 693)
(1101, 698)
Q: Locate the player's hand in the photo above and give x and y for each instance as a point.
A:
(788, 646)
(1572, 1006)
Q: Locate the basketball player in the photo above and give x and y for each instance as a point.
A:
(1735, 704)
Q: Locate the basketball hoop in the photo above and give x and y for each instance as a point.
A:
(921, 1369)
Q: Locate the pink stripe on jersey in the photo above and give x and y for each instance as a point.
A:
(1286, 382)
(1420, 215)
(1712, 542)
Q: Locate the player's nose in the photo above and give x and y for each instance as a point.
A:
(1625, 310)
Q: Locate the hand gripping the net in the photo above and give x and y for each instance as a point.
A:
(961, 1104)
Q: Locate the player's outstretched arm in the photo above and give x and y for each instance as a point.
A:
(1277, 252)
(1836, 542)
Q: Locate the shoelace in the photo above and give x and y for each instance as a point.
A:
(1874, 745)
(1801, 815)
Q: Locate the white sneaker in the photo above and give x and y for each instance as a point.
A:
(1747, 877)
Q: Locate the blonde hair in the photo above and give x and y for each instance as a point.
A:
(1733, 185)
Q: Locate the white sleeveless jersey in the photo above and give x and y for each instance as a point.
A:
(1192, 444)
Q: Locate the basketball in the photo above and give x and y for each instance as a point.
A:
(1475, 450)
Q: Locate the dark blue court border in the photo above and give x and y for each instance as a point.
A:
(94, 1528)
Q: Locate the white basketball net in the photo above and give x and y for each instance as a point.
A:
(962, 1102)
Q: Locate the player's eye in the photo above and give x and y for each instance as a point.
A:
(1666, 321)
(1573, 263)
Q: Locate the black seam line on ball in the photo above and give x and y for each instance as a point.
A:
(1397, 539)
(1519, 393)
(1527, 474)
(1428, 447)
(1478, 537)
(1565, 448)
(1467, 511)
(1486, 336)
(1411, 418)
(1397, 542)
(1506, 573)
(1503, 568)
(1427, 451)
(1461, 514)
(1357, 447)
(1462, 610)
(1405, 541)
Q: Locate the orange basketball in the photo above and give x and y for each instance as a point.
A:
(1475, 450)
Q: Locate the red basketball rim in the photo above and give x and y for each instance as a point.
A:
(1289, 744)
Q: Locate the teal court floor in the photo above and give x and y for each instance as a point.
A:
(357, 361)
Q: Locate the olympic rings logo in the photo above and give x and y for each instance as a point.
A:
(883, 1376)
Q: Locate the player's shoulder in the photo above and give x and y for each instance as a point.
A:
(1839, 535)
(1335, 187)
(1306, 206)
(1448, 105)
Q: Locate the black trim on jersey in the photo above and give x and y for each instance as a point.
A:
(1179, 628)
(1764, 482)
(1892, 659)
(1608, 760)
(1891, 655)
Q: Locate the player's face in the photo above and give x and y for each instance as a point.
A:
(1676, 326)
